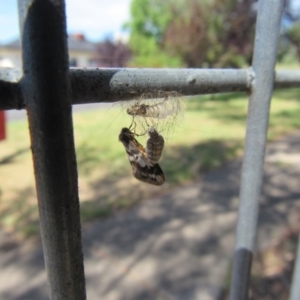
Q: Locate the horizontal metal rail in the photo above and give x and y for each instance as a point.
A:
(110, 85)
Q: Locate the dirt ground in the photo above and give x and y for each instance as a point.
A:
(176, 246)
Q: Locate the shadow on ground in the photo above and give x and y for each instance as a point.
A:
(181, 165)
(175, 246)
(10, 158)
(118, 190)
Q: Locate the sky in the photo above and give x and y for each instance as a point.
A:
(96, 19)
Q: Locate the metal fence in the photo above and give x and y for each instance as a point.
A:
(47, 89)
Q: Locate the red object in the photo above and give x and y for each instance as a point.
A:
(2, 126)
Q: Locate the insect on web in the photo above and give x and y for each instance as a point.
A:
(159, 109)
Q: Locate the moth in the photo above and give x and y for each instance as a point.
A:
(143, 168)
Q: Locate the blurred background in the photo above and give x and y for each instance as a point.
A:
(157, 34)
(144, 33)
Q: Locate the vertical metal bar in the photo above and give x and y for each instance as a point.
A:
(46, 90)
(295, 289)
(264, 58)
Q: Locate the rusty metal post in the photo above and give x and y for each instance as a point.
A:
(46, 90)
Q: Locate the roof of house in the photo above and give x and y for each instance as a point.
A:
(79, 42)
(75, 42)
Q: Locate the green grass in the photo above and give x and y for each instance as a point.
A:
(212, 133)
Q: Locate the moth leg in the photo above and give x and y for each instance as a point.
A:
(143, 127)
(132, 125)
(141, 134)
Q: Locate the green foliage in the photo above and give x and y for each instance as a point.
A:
(194, 33)
(149, 20)
(148, 54)
(293, 35)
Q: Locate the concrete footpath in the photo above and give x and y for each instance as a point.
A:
(176, 247)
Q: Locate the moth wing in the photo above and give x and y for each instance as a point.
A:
(142, 168)
(139, 147)
(153, 174)
(136, 153)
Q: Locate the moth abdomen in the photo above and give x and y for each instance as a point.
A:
(155, 145)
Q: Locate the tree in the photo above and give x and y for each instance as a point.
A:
(110, 54)
(194, 33)
(149, 19)
(293, 36)
(291, 27)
